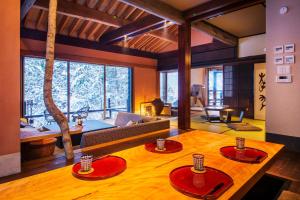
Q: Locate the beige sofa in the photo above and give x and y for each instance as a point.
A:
(123, 130)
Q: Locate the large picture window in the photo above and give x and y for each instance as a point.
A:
(106, 90)
(87, 88)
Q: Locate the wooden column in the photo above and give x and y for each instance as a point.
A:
(184, 75)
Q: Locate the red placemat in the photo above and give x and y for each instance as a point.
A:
(212, 183)
(170, 145)
(104, 167)
(247, 155)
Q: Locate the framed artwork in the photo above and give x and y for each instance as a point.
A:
(289, 48)
(278, 49)
(290, 59)
(278, 60)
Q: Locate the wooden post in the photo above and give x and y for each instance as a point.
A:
(48, 99)
(184, 75)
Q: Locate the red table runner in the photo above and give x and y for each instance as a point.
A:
(212, 183)
(104, 167)
(170, 145)
(247, 155)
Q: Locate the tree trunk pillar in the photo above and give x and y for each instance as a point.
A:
(58, 116)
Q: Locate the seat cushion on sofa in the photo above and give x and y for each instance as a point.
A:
(112, 134)
(124, 117)
(149, 119)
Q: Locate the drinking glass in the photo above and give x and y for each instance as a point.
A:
(240, 143)
(86, 163)
(160, 144)
(198, 160)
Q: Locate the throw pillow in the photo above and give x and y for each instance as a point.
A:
(23, 124)
(130, 123)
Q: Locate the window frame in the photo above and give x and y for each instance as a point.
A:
(68, 61)
(164, 93)
(215, 70)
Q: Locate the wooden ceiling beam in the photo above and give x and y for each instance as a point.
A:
(81, 12)
(63, 23)
(216, 33)
(135, 41)
(216, 8)
(154, 7)
(202, 12)
(164, 35)
(163, 47)
(158, 46)
(83, 29)
(207, 7)
(135, 28)
(74, 27)
(158, 9)
(39, 24)
(146, 46)
(26, 6)
(143, 42)
(83, 43)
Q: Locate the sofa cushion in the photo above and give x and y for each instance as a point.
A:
(149, 119)
(112, 134)
(124, 117)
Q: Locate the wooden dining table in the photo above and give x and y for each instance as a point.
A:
(147, 173)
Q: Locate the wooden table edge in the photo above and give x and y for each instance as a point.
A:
(254, 179)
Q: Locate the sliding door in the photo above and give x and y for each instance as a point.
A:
(172, 88)
(238, 88)
(169, 87)
(215, 86)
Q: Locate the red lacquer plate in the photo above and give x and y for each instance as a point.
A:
(247, 155)
(170, 145)
(212, 183)
(104, 167)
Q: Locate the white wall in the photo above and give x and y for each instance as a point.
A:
(198, 76)
(252, 46)
(283, 109)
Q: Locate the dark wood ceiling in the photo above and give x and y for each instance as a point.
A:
(134, 24)
(80, 27)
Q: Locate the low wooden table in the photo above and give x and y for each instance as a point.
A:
(216, 108)
(88, 125)
(221, 109)
(147, 173)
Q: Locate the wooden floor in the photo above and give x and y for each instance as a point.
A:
(286, 166)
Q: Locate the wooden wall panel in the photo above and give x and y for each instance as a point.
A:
(201, 55)
(238, 88)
